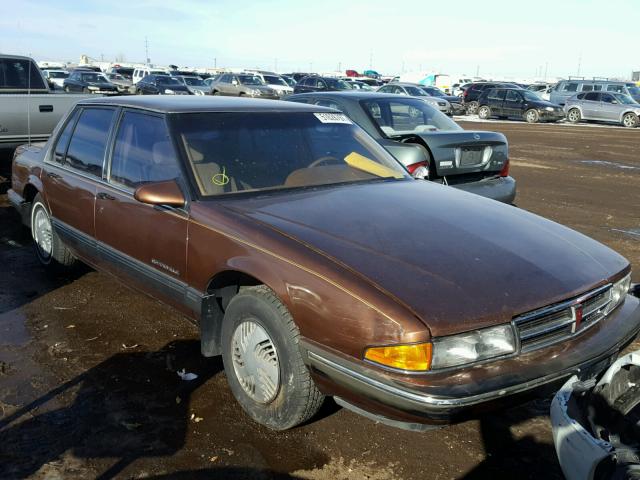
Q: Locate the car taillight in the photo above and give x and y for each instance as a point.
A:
(419, 170)
(505, 170)
(465, 93)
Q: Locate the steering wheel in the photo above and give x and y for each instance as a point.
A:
(325, 159)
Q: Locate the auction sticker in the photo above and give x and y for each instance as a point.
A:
(333, 118)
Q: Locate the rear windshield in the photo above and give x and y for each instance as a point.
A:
(241, 152)
(406, 116)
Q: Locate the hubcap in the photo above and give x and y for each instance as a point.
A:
(42, 232)
(255, 361)
(532, 116)
(629, 121)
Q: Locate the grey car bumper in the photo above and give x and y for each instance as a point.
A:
(502, 189)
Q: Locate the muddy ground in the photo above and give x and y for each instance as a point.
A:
(88, 383)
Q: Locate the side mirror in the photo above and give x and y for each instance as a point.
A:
(614, 102)
(161, 193)
(234, 82)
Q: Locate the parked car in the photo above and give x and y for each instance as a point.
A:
(360, 85)
(429, 145)
(209, 80)
(242, 84)
(123, 84)
(543, 90)
(290, 80)
(604, 107)
(55, 78)
(141, 72)
(161, 85)
(126, 72)
(596, 423)
(29, 111)
(275, 82)
(195, 84)
(565, 89)
(517, 103)
(316, 265)
(457, 108)
(297, 76)
(415, 90)
(316, 83)
(472, 92)
(83, 81)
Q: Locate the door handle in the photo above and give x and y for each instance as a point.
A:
(46, 108)
(53, 175)
(105, 196)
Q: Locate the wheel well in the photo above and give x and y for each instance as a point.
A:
(29, 193)
(221, 289)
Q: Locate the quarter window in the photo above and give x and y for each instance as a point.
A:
(63, 139)
(142, 152)
(89, 141)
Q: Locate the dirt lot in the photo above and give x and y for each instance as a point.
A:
(88, 383)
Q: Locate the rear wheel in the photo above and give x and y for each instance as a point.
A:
(574, 115)
(532, 116)
(50, 250)
(262, 361)
(630, 120)
(484, 112)
(472, 108)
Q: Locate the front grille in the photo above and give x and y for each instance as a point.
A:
(563, 320)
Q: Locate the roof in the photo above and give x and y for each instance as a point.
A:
(355, 95)
(186, 104)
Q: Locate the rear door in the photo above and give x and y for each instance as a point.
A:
(143, 243)
(71, 175)
(591, 106)
(495, 100)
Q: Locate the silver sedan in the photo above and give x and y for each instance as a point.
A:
(603, 106)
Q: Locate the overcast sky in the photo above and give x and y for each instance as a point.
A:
(459, 37)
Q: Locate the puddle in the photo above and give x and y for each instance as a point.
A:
(13, 330)
(610, 164)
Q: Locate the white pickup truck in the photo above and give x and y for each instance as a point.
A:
(29, 110)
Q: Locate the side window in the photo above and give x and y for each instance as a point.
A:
(587, 88)
(597, 88)
(496, 94)
(615, 88)
(321, 84)
(607, 98)
(329, 103)
(570, 87)
(592, 96)
(513, 96)
(142, 152)
(384, 89)
(63, 140)
(89, 141)
(580, 96)
(20, 74)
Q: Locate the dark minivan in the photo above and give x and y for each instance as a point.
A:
(314, 83)
(517, 103)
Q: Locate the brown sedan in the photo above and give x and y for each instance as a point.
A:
(315, 265)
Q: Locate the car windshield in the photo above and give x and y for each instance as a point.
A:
(338, 84)
(250, 80)
(633, 90)
(193, 81)
(434, 92)
(531, 96)
(93, 78)
(416, 92)
(290, 81)
(249, 152)
(167, 80)
(624, 99)
(404, 116)
(58, 74)
(273, 80)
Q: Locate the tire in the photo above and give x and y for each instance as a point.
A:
(630, 120)
(484, 112)
(50, 250)
(472, 108)
(259, 334)
(532, 116)
(214, 92)
(574, 115)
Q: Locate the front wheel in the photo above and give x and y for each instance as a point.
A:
(50, 250)
(532, 116)
(574, 115)
(630, 120)
(484, 112)
(262, 361)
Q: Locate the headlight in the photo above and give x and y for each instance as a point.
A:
(433, 103)
(256, 92)
(198, 92)
(168, 91)
(93, 87)
(473, 346)
(549, 109)
(618, 293)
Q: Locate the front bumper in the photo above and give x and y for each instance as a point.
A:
(436, 398)
(502, 189)
(551, 116)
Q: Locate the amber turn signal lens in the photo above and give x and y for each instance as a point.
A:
(415, 357)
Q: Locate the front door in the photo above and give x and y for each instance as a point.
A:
(609, 110)
(513, 103)
(144, 243)
(71, 175)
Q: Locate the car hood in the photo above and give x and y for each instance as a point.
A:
(457, 260)
(543, 104)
